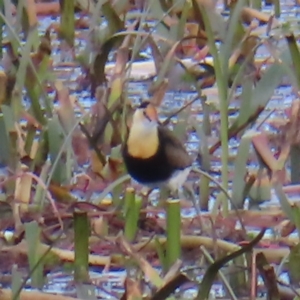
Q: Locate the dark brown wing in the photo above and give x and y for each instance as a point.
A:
(177, 155)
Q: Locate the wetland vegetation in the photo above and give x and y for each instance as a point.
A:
(225, 77)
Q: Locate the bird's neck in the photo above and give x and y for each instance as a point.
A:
(142, 143)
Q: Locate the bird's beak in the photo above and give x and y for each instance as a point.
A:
(151, 113)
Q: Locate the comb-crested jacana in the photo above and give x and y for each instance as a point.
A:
(153, 155)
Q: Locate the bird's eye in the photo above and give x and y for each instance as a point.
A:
(146, 116)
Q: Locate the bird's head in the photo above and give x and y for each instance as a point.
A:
(143, 134)
(145, 117)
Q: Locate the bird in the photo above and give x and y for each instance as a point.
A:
(153, 155)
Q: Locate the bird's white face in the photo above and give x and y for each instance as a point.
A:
(143, 122)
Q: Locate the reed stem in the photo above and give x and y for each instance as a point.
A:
(131, 211)
(221, 78)
(295, 54)
(32, 236)
(173, 249)
(257, 4)
(295, 149)
(67, 21)
(81, 233)
(277, 8)
(1, 27)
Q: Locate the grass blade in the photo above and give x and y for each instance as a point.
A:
(16, 282)
(226, 49)
(260, 97)
(210, 274)
(56, 138)
(269, 277)
(245, 104)
(1, 29)
(266, 86)
(4, 145)
(295, 164)
(240, 170)
(223, 91)
(160, 250)
(170, 287)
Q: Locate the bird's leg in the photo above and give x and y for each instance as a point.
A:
(164, 193)
(188, 193)
(145, 192)
(176, 194)
(181, 194)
